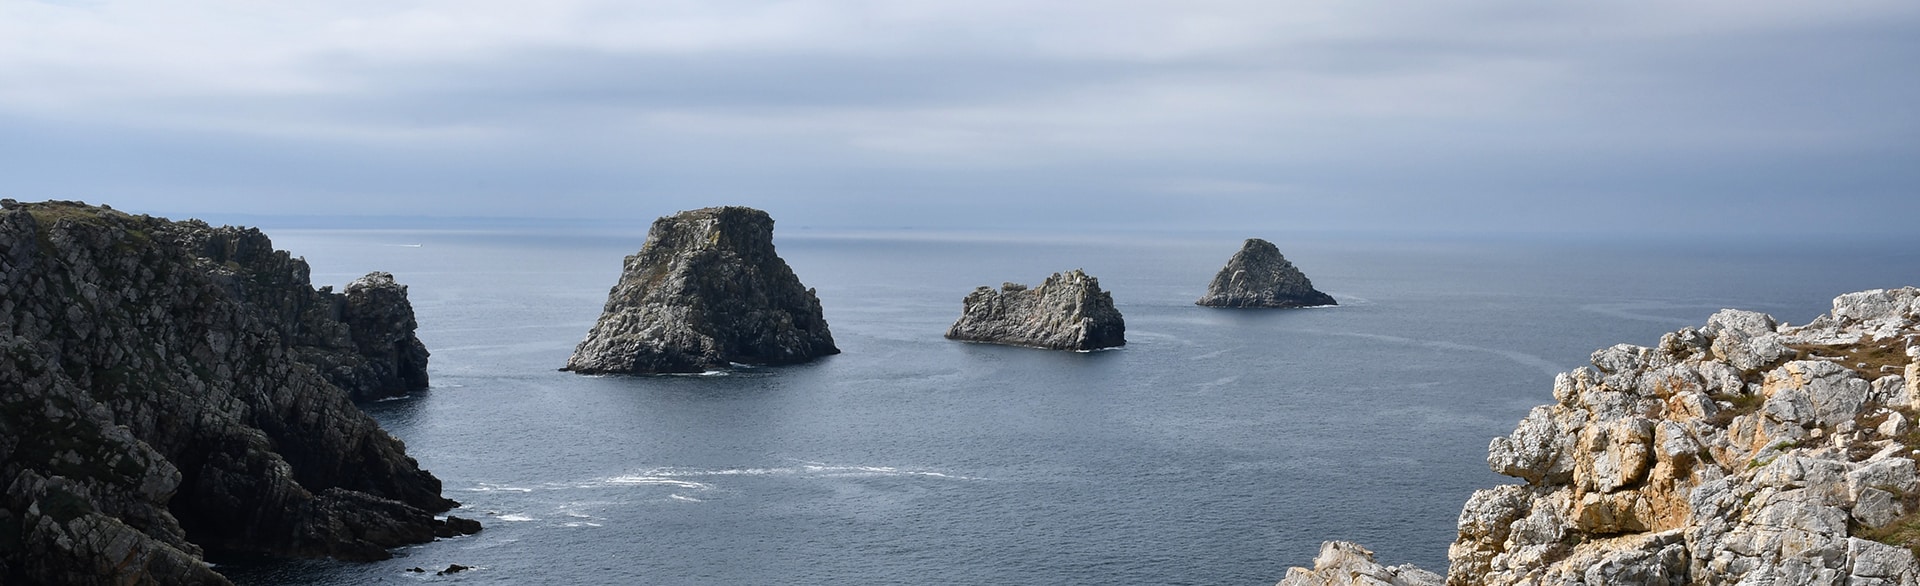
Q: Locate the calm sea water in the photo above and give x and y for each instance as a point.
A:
(1217, 447)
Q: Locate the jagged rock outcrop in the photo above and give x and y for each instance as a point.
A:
(705, 290)
(1259, 276)
(1068, 311)
(1742, 452)
(1341, 563)
(167, 391)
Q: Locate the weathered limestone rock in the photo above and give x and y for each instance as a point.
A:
(705, 291)
(1743, 452)
(167, 390)
(1068, 311)
(1347, 564)
(1259, 276)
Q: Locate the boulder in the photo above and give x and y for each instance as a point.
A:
(1068, 311)
(705, 291)
(1259, 276)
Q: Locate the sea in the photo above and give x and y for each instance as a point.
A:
(1218, 447)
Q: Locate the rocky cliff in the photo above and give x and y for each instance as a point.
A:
(173, 389)
(1068, 311)
(1742, 452)
(1259, 276)
(705, 290)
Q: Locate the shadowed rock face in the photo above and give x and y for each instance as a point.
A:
(1258, 276)
(167, 389)
(1742, 452)
(704, 291)
(1066, 312)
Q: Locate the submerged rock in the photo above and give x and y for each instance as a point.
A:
(1743, 452)
(704, 291)
(169, 389)
(1066, 312)
(1259, 276)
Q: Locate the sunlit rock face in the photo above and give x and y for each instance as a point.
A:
(1741, 452)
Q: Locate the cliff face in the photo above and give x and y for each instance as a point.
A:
(1068, 311)
(704, 291)
(1743, 452)
(1259, 276)
(170, 389)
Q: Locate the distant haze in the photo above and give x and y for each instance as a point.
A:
(1630, 118)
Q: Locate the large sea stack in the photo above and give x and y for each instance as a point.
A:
(1742, 452)
(172, 389)
(1258, 276)
(1066, 312)
(705, 290)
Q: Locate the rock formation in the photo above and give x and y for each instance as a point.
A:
(1066, 312)
(706, 290)
(172, 389)
(1259, 276)
(1742, 452)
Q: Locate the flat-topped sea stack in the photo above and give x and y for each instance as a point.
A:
(704, 292)
(1066, 312)
(1258, 276)
(170, 390)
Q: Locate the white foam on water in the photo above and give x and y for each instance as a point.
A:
(514, 517)
(653, 480)
(684, 498)
(579, 524)
(487, 487)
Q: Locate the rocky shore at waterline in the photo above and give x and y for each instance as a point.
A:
(170, 390)
(1741, 452)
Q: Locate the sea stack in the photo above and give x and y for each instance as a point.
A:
(1068, 311)
(1744, 451)
(1258, 276)
(706, 290)
(170, 390)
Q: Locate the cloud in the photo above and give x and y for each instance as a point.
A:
(1474, 115)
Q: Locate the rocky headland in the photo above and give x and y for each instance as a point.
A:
(1068, 311)
(706, 290)
(170, 390)
(1259, 276)
(1742, 452)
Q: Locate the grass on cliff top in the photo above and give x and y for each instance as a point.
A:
(1866, 358)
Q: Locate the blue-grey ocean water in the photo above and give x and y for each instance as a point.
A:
(1217, 447)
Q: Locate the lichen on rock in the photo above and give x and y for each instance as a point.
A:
(1259, 276)
(1068, 311)
(706, 290)
(172, 389)
(1743, 452)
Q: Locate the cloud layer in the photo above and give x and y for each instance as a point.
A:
(1712, 117)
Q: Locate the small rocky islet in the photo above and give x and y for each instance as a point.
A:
(1068, 311)
(170, 390)
(705, 291)
(1259, 276)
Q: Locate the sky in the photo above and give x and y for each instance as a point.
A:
(1618, 117)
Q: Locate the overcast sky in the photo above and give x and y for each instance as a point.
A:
(1732, 117)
